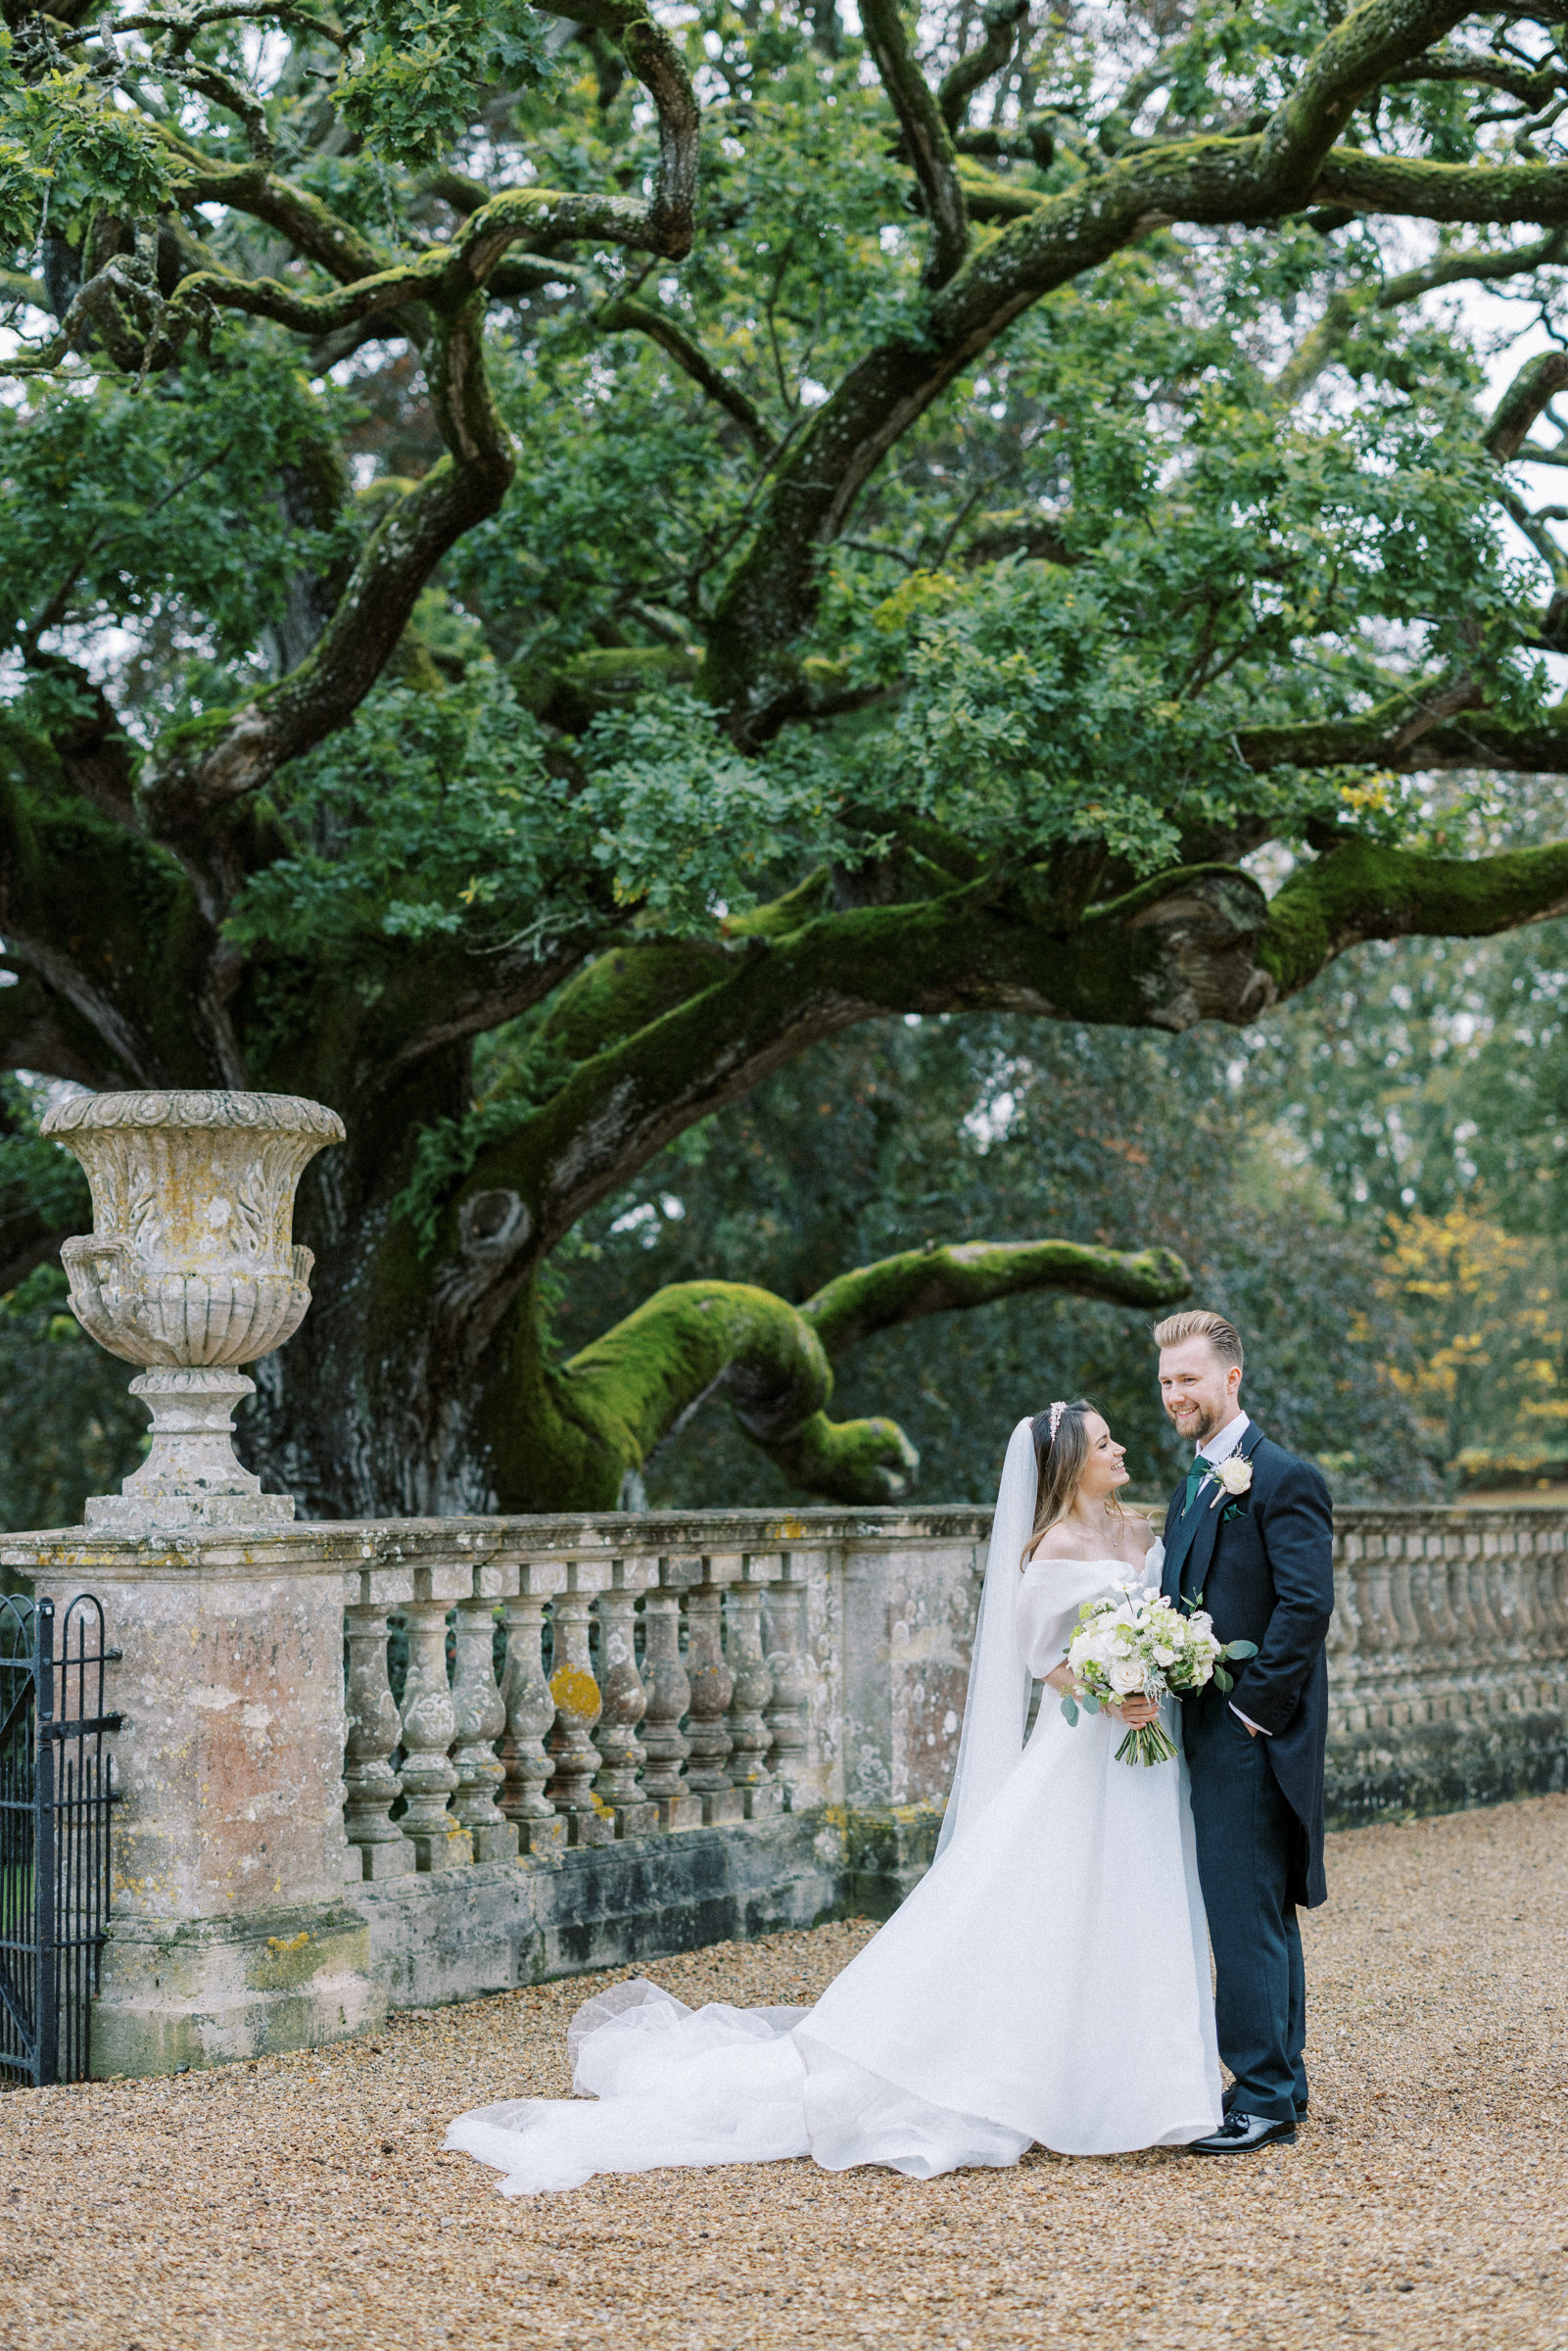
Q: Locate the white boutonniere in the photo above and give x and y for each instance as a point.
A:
(1232, 1477)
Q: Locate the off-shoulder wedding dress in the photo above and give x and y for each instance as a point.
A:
(1047, 1980)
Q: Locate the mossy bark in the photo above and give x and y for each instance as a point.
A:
(579, 1437)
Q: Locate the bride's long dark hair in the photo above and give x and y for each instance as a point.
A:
(1059, 1464)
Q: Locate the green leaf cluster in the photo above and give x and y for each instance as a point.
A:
(415, 81)
(64, 140)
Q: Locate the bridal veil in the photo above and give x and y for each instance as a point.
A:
(996, 1712)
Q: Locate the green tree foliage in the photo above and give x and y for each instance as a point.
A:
(559, 561)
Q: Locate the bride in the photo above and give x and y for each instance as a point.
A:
(1047, 1980)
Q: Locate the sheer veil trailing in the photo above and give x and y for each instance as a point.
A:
(997, 1708)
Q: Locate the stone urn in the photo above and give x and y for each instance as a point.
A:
(191, 1268)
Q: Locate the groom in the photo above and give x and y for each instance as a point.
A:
(1249, 1535)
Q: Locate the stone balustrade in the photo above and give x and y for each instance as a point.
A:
(824, 1662)
(1443, 1617)
(602, 1723)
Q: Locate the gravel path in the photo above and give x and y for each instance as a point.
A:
(302, 2202)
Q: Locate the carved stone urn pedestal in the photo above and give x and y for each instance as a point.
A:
(228, 1934)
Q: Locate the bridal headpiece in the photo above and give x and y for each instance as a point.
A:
(1056, 1411)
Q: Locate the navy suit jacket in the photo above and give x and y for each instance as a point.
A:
(1264, 1567)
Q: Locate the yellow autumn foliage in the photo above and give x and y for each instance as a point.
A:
(1487, 1311)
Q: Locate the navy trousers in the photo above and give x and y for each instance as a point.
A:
(1245, 1833)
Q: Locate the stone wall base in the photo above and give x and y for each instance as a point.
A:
(458, 1934)
(1445, 1766)
(222, 1988)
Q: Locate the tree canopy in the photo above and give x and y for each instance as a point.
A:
(560, 560)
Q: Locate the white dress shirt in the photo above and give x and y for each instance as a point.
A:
(1219, 1449)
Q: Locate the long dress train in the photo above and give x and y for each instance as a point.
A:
(1047, 1980)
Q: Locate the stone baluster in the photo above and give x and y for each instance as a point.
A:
(1544, 1590)
(1538, 1588)
(577, 1705)
(1438, 1651)
(530, 1712)
(1466, 1681)
(480, 1718)
(1379, 1633)
(1404, 1697)
(429, 1724)
(1487, 1632)
(1512, 1620)
(749, 1735)
(1521, 1618)
(789, 1669)
(712, 1688)
(625, 1701)
(377, 1846)
(1560, 1617)
(669, 1693)
(1347, 1699)
(1551, 1559)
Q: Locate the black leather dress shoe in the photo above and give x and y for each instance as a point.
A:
(1229, 2099)
(1240, 2133)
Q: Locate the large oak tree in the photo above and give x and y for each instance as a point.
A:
(554, 560)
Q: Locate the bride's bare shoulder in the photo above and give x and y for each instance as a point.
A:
(1144, 1535)
(1057, 1543)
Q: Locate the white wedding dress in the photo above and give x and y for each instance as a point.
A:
(1047, 1980)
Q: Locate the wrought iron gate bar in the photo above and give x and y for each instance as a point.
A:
(56, 1790)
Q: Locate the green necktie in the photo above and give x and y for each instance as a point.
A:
(1195, 1477)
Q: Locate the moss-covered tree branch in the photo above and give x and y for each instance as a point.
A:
(603, 1417)
(1391, 736)
(626, 316)
(1500, 195)
(1198, 943)
(218, 761)
(936, 1280)
(928, 139)
(1335, 332)
(1360, 890)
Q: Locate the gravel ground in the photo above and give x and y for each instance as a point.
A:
(303, 2202)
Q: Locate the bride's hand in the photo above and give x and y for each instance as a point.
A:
(1136, 1712)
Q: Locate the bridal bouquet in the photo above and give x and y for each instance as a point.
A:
(1140, 1647)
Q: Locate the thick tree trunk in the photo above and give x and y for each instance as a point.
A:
(364, 1413)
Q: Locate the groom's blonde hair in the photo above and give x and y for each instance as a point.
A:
(1222, 1336)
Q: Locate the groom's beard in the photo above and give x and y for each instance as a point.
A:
(1199, 1425)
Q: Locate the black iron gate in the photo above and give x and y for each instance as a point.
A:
(55, 1795)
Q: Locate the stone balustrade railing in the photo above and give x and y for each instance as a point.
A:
(604, 1722)
(1444, 1616)
(824, 1661)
